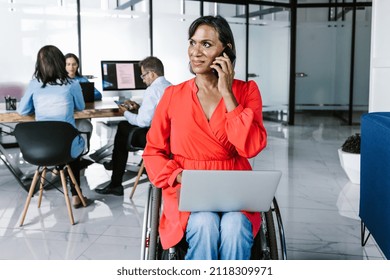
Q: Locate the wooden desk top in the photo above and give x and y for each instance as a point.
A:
(98, 109)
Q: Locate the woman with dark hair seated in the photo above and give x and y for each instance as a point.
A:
(72, 67)
(210, 122)
(52, 96)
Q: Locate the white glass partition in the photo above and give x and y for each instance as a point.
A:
(26, 26)
(269, 57)
(171, 20)
(362, 59)
(112, 30)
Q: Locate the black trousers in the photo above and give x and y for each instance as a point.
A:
(75, 166)
(120, 152)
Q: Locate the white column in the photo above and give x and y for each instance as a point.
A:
(379, 98)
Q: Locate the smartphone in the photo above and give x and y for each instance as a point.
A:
(230, 54)
(122, 104)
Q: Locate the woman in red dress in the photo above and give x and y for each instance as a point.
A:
(210, 122)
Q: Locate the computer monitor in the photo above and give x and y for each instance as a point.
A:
(121, 75)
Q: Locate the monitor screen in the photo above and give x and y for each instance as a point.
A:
(121, 75)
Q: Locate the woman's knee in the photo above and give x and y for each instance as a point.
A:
(206, 222)
(235, 225)
(204, 219)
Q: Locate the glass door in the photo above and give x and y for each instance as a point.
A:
(323, 57)
(324, 45)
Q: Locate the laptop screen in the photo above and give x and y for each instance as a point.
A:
(88, 89)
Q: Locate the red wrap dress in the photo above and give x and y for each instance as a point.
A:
(181, 137)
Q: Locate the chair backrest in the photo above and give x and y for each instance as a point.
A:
(137, 139)
(46, 143)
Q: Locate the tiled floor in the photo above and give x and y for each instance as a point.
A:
(319, 205)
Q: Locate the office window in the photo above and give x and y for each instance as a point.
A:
(29, 25)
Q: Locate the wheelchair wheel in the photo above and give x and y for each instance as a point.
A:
(265, 245)
(271, 236)
(150, 224)
(268, 244)
(155, 218)
(282, 239)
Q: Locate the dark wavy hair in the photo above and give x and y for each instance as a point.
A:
(220, 24)
(50, 66)
(72, 55)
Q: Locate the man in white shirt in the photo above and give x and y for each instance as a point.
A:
(136, 115)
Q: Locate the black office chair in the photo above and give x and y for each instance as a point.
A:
(137, 142)
(48, 144)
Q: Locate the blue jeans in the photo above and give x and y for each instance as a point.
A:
(213, 236)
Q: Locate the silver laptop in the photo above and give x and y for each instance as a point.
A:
(228, 190)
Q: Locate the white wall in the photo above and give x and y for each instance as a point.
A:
(379, 99)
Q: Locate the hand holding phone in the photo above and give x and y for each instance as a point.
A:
(229, 52)
(122, 104)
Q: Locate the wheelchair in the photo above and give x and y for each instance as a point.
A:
(269, 243)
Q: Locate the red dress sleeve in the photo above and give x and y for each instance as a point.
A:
(245, 122)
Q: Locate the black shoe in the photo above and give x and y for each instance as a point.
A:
(108, 165)
(111, 190)
(84, 163)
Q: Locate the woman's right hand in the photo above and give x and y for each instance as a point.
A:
(133, 106)
(178, 177)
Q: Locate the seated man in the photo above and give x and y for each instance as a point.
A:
(137, 116)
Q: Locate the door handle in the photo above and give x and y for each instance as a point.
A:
(300, 75)
(252, 75)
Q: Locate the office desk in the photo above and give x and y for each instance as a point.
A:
(98, 109)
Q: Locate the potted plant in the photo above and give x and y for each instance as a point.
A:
(349, 155)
